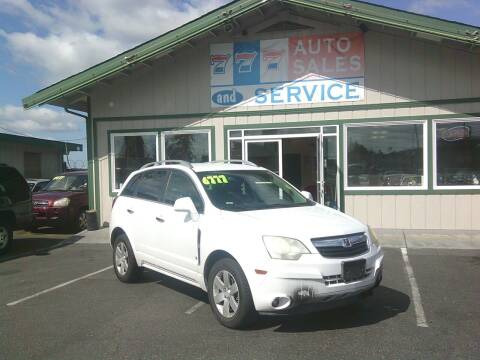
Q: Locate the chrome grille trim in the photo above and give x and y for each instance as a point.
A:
(343, 246)
(40, 203)
(338, 279)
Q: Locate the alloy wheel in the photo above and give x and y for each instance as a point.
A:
(82, 221)
(225, 294)
(121, 258)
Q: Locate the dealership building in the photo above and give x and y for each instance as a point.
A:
(374, 110)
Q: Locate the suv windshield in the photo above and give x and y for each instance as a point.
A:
(67, 183)
(245, 190)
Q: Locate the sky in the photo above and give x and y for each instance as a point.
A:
(44, 41)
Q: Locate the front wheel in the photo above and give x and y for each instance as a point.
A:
(81, 221)
(6, 237)
(229, 294)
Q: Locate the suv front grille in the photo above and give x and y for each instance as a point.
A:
(341, 246)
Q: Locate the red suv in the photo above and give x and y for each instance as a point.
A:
(62, 202)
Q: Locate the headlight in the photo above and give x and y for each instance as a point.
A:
(373, 237)
(63, 202)
(284, 248)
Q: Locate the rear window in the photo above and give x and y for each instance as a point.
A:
(13, 185)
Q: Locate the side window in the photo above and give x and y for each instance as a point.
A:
(130, 188)
(180, 185)
(151, 185)
(14, 185)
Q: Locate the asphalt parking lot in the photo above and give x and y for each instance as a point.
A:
(88, 314)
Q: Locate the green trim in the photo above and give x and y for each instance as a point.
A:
(343, 191)
(165, 43)
(90, 159)
(96, 168)
(341, 169)
(430, 154)
(394, 18)
(159, 131)
(159, 45)
(305, 110)
(27, 140)
(349, 121)
(414, 192)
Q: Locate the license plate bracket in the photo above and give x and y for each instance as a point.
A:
(353, 270)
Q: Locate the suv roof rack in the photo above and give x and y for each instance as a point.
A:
(167, 162)
(234, 161)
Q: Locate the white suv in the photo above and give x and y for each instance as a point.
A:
(251, 240)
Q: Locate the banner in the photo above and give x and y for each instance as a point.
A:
(296, 70)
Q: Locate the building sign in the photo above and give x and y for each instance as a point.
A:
(311, 69)
(455, 133)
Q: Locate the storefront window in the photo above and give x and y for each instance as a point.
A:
(458, 153)
(236, 149)
(187, 146)
(130, 152)
(385, 155)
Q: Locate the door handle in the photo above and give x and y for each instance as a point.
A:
(160, 219)
(130, 211)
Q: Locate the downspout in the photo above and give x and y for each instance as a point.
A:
(90, 154)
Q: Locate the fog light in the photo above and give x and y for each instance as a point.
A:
(281, 302)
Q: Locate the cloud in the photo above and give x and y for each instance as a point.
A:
(431, 6)
(16, 120)
(63, 39)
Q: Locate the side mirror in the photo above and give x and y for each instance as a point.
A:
(307, 194)
(186, 205)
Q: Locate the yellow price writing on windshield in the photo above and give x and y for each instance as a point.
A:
(214, 179)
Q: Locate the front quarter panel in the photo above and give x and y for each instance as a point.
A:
(242, 241)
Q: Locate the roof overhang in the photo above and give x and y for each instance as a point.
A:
(72, 92)
(65, 147)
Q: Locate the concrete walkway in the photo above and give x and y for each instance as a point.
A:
(429, 239)
(419, 239)
(94, 237)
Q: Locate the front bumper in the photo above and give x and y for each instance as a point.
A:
(52, 216)
(312, 282)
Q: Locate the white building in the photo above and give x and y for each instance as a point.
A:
(34, 157)
(374, 110)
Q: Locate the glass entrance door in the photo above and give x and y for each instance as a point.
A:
(328, 181)
(307, 160)
(265, 153)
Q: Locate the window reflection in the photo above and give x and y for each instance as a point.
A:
(188, 147)
(385, 155)
(131, 152)
(458, 153)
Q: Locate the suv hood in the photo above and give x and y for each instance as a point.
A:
(52, 195)
(301, 222)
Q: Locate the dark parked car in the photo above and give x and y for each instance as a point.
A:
(63, 202)
(37, 185)
(15, 205)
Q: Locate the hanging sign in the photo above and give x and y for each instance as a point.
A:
(311, 69)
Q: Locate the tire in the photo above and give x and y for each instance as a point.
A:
(219, 292)
(6, 237)
(81, 221)
(124, 262)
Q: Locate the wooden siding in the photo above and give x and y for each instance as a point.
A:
(454, 212)
(399, 68)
